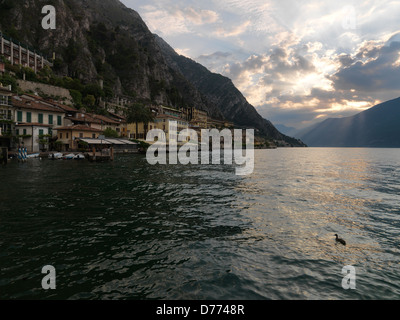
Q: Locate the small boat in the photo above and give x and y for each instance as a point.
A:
(33, 155)
(79, 156)
(55, 156)
(69, 156)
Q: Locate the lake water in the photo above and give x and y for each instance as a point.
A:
(128, 230)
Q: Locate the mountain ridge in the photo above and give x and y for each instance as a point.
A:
(374, 127)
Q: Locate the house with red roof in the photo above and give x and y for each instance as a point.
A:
(35, 119)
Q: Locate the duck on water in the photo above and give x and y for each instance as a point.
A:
(340, 240)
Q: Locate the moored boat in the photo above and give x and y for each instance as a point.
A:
(79, 156)
(55, 156)
(69, 156)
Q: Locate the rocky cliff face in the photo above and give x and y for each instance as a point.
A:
(102, 39)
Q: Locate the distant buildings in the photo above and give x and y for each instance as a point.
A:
(70, 136)
(198, 118)
(32, 122)
(39, 124)
(20, 54)
(34, 119)
(173, 121)
(99, 122)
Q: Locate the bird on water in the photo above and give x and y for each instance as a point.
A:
(340, 240)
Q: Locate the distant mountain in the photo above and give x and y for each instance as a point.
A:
(289, 131)
(375, 127)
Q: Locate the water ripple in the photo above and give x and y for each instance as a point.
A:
(128, 230)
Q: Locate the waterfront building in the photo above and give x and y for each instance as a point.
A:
(69, 136)
(100, 122)
(142, 129)
(219, 124)
(198, 118)
(34, 119)
(164, 117)
(171, 125)
(123, 127)
(169, 111)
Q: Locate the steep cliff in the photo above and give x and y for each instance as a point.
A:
(102, 39)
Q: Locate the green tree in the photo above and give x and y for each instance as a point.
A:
(89, 101)
(138, 113)
(94, 90)
(76, 96)
(110, 133)
(44, 141)
(7, 79)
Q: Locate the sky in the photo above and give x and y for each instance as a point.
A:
(297, 62)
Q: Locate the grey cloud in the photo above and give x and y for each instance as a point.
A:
(346, 60)
(377, 75)
(215, 55)
(278, 62)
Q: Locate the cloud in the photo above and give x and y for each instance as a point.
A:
(290, 59)
(199, 17)
(280, 71)
(234, 31)
(375, 68)
(172, 19)
(303, 110)
(216, 61)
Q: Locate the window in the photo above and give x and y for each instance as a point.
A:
(67, 135)
(4, 100)
(50, 119)
(40, 118)
(19, 116)
(61, 136)
(59, 120)
(94, 136)
(17, 132)
(24, 132)
(28, 117)
(80, 135)
(40, 132)
(50, 131)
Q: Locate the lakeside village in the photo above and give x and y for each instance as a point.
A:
(41, 120)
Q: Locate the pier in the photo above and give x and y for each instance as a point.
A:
(101, 156)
